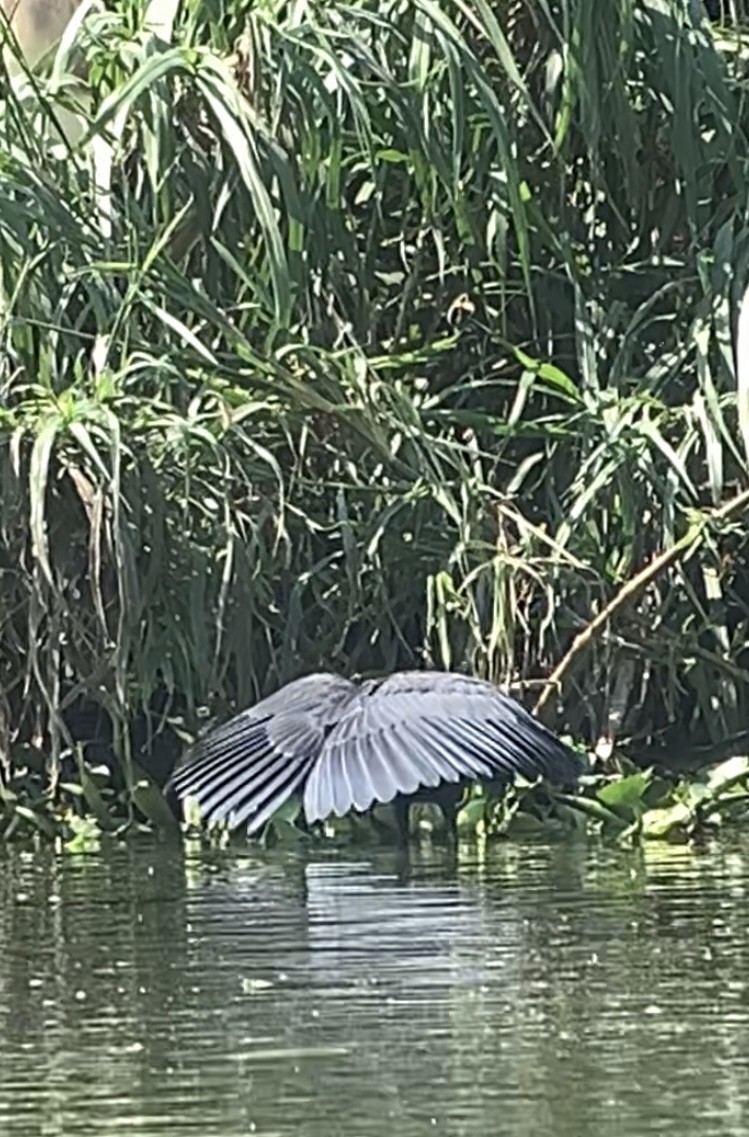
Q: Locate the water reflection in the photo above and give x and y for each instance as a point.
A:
(557, 990)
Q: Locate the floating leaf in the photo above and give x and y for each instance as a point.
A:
(661, 823)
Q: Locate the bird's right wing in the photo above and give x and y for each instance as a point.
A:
(417, 729)
(245, 770)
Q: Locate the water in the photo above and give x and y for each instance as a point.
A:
(551, 992)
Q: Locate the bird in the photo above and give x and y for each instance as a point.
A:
(341, 745)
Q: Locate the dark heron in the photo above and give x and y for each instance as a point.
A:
(341, 745)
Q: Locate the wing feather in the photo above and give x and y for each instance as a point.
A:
(396, 753)
(373, 777)
(431, 761)
(227, 793)
(260, 808)
(206, 770)
(465, 763)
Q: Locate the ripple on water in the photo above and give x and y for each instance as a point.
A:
(560, 990)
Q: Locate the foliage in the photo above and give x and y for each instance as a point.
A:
(361, 335)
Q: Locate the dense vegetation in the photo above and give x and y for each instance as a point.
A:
(364, 335)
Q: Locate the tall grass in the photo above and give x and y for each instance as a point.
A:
(360, 335)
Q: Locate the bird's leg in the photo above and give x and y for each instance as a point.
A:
(450, 814)
(400, 809)
(448, 797)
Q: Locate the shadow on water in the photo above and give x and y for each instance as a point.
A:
(563, 990)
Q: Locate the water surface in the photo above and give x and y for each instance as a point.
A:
(562, 990)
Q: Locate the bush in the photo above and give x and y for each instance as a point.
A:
(356, 336)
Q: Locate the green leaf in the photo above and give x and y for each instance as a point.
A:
(91, 793)
(150, 801)
(625, 796)
(472, 814)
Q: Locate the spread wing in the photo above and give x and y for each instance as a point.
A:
(417, 729)
(246, 769)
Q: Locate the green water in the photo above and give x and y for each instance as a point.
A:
(550, 991)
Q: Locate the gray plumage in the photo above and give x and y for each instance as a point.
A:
(343, 745)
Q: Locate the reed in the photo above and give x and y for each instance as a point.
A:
(353, 336)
